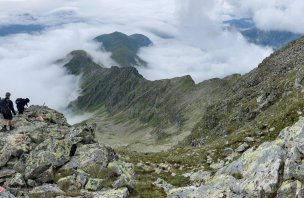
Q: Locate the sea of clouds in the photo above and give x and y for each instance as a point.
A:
(188, 39)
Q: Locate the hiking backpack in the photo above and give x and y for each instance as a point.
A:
(4, 106)
(18, 101)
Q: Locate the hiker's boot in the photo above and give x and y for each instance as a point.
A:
(4, 129)
(12, 128)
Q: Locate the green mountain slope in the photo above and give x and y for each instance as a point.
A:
(124, 48)
(153, 115)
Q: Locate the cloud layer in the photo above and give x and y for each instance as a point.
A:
(201, 48)
(271, 14)
(28, 67)
(188, 39)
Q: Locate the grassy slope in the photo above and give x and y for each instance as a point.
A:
(124, 48)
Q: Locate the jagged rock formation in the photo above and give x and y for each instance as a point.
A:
(123, 94)
(274, 169)
(46, 157)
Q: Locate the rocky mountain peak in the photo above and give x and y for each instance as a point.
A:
(46, 157)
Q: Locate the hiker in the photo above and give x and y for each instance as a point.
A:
(7, 107)
(21, 103)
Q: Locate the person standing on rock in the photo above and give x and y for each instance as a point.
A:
(7, 107)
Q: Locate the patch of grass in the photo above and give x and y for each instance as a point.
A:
(107, 174)
(237, 175)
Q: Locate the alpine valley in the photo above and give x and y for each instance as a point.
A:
(239, 136)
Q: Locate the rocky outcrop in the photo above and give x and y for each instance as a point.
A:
(274, 169)
(46, 157)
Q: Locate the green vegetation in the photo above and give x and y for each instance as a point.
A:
(124, 48)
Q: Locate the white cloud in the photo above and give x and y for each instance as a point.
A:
(201, 47)
(272, 14)
(170, 58)
(28, 69)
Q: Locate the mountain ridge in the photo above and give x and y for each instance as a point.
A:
(178, 107)
(124, 48)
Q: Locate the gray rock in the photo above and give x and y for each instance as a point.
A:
(227, 151)
(288, 189)
(6, 172)
(217, 165)
(89, 156)
(94, 184)
(49, 153)
(249, 139)
(83, 134)
(117, 193)
(124, 181)
(6, 194)
(242, 147)
(48, 190)
(32, 183)
(17, 181)
(47, 176)
(200, 176)
(160, 183)
(126, 174)
(69, 184)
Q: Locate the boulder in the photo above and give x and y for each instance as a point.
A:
(17, 181)
(47, 176)
(69, 184)
(217, 165)
(94, 184)
(249, 139)
(160, 183)
(112, 193)
(49, 153)
(89, 156)
(200, 176)
(46, 191)
(83, 134)
(288, 189)
(227, 151)
(5, 193)
(242, 147)
(126, 174)
(6, 172)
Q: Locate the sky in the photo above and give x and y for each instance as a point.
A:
(187, 35)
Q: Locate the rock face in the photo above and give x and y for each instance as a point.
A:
(274, 169)
(47, 158)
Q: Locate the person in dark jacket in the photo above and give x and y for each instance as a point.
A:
(7, 112)
(21, 103)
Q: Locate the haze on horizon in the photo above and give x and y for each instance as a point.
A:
(188, 37)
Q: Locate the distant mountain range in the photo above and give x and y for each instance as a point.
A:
(274, 39)
(18, 29)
